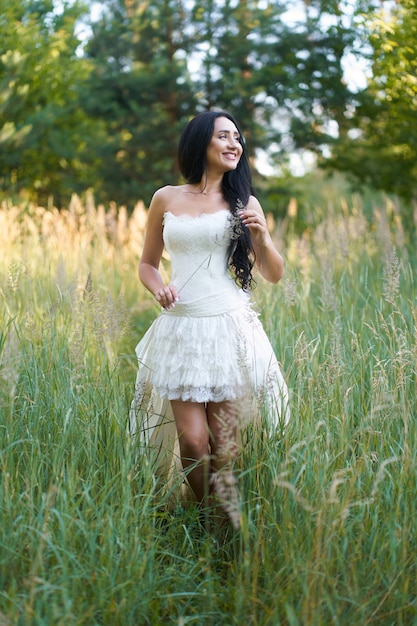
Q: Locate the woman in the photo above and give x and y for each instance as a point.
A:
(206, 359)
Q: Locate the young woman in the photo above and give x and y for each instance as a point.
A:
(206, 360)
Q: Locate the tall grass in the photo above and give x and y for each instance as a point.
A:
(328, 506)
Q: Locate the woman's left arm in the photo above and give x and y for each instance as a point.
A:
(268, 260)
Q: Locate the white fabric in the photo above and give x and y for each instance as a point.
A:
(211, 346)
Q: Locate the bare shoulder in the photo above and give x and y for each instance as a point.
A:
(165, 196)
(168, 193)
(255, 205)
(162, 195)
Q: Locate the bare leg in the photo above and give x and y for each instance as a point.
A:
(223, 422)
(193, 435)
(202, 430)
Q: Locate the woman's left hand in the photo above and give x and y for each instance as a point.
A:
(256, 223)
(268, 260)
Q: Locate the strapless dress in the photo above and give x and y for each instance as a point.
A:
(210, 347)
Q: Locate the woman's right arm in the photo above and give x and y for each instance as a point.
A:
(153, 247)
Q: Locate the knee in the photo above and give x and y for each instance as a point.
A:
(194, 445)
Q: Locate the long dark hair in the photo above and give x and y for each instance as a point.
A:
(236, 186)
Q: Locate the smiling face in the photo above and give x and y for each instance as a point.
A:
(224, 149)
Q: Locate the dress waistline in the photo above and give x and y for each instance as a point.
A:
(211, 305)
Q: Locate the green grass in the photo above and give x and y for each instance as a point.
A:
(328, 507)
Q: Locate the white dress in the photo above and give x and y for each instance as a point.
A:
(210, 347)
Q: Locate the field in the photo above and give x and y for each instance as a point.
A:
(329, 506)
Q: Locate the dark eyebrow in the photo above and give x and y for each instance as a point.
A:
(235, 132)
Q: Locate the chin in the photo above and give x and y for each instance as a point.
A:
(231, 166)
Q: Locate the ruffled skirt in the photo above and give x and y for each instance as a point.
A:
(203, 358)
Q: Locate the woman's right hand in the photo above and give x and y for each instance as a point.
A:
(167, 297)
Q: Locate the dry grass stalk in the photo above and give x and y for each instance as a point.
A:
(391, 280)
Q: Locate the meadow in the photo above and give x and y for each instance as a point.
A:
(329, 506)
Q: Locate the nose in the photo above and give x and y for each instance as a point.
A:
(234, 141)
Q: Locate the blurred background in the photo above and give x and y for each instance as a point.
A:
(94, 95)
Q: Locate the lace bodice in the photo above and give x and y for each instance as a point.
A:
(198, 248)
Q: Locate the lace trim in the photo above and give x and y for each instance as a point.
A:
(201, 394)
(193, 217)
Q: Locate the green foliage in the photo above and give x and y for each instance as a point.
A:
(107, 114)
(383, 151)
(141, 91)
(283, 79)
(301, 203)
(110, 118)
(43, 131)
(328, 506)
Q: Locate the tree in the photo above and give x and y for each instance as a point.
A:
(43, 132)
(284, 82)
(229, 37)
(141, 90)
(284, 79)
(110, 118)
(381, 146)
